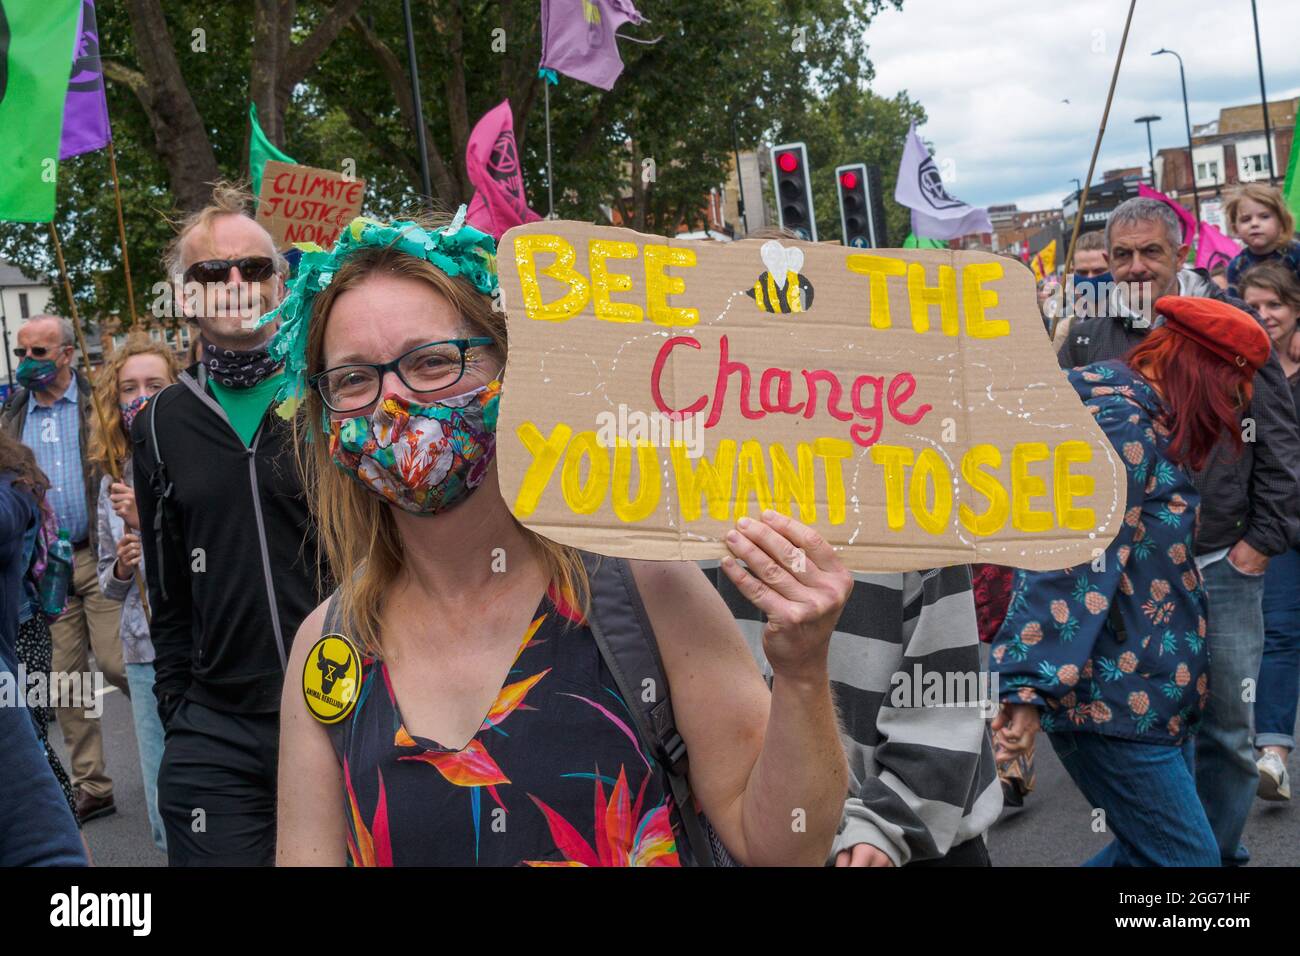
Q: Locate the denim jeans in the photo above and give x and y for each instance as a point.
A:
(1226, 777)
(1148, 793)
(149, 739)
(1279, 674)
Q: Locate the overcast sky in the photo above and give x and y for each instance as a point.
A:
(991, 75)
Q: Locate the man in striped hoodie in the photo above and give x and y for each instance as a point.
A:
(905, 667)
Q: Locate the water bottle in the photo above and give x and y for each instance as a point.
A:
(58, 576)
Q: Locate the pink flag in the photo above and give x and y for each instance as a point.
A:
(1214, 248)
(578, 38)
(1185, 217)
(492, 161)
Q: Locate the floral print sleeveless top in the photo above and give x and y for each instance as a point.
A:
(555, 776)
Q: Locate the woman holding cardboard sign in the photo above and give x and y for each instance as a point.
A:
(477, 695)
(1110, 657)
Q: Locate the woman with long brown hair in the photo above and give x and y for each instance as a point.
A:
(468, 715)
(1110, 658)
(129, 378)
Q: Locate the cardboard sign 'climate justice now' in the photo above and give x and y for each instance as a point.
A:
(306, 204)
(905, 403)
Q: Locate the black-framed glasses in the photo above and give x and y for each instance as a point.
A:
(425, 368)
(252, 268)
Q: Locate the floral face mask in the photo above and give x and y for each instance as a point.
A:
(132, 409)
(424, 458)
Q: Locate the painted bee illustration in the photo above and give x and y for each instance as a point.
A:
(781, 289)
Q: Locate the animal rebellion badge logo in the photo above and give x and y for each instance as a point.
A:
(330, 678)
(781, 288)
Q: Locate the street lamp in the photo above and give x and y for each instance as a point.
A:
(1187, 117)
(1151, 153)
(1268, 130)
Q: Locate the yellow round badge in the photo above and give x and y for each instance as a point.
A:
(331, 678)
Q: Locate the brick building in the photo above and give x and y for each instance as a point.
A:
(1228, 151)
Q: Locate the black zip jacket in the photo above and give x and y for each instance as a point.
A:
(1255, 497)
(232, 570)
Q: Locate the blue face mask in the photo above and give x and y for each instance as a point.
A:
(1081, 282)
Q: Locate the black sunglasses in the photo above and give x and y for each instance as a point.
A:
(36, 351)
(252, 268)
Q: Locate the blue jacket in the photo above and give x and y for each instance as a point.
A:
(1117, 647)
(36, 824)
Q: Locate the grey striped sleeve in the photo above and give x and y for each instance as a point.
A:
(905, 668)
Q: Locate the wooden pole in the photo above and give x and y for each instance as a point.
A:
(114, 471)
(121, 232)
(1092, 165)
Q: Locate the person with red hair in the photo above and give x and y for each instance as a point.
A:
(1110, 658)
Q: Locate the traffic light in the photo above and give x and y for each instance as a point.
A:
(794, 204)
(862, 214)
(851, 187)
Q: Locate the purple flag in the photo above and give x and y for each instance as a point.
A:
(85, 112)
(578, 38)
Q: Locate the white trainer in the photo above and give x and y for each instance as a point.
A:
(1274, 783)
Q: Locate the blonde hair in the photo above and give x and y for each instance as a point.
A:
(228, 199)
(355, 526)
(108, 451)
(1271, 198)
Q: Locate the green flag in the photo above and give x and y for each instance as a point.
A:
(36, 42)
(260, 149)
(914, 242)
(1291, 188)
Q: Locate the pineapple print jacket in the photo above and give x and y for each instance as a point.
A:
(1117, 646)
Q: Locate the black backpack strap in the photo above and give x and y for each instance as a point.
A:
(161, 486)
(627, 643)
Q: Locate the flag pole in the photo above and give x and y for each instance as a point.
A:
(550, 185)
(121, 232)
(114, 471)
(1092, 164)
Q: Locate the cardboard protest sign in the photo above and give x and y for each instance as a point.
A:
(906, 403)
(305, 204)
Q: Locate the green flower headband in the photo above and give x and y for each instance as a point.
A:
(458, 250)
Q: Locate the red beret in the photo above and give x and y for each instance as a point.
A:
(1224, 329)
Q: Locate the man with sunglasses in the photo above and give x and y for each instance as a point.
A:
(50, 413)
(229, 552)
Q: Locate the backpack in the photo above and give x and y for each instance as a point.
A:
(161, 486)
(627, 643)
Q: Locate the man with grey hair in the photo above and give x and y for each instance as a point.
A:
(229, 551)
(50, 414)
(1250, 505)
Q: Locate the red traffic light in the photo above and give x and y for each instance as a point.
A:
(849, 180)
(788, 162)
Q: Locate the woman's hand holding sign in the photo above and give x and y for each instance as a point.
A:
(795, 578)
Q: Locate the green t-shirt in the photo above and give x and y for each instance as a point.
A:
(246, 406)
